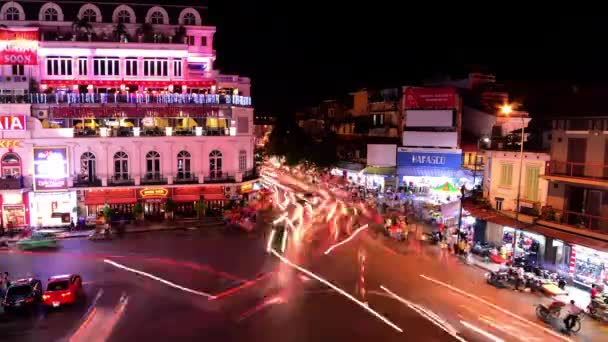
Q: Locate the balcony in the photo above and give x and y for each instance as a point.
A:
(148, 132)
(153, 178)
(578, 173)
(130, 98)
(11, 183)
(85, 182)
(574, 221)
(220, 177)
(185, 178)
(249, 175)
(121, 180)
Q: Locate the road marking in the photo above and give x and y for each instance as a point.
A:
(433, 318)
(339, 290)
(482, 332)
(83, 325)
(161, 280)
(346, 240)
(494, 306)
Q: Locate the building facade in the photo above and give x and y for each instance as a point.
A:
(116, 105)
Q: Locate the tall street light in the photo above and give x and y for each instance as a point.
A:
(507, 110)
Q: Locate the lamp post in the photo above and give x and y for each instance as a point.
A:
(507, 109)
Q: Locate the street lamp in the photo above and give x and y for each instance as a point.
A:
(507, 109)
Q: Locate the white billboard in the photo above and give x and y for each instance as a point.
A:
(430, 139)
(429, 118)
(381, 154)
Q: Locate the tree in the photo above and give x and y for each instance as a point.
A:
(108, 213)
(288, 140)
(146, 31)
(81, 25)
(138, 211)
(179, 35)
(201, 208)
(170, 208)
(119, 31)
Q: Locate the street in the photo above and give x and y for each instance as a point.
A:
(219, 284)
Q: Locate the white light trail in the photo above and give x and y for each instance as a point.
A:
(337, 289)
(482, 332)
(496, 307)
(280, 218)
(284, 242)
(346, 240)
(153, 277)
(332, 211)
(269, 244)
(431, 317)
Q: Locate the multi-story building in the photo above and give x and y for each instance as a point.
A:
(110, 104)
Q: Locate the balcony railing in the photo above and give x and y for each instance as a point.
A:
(577, 220)
(85, 181)
(574, 169)
(220, 177)
(150, 132)
(132, 98)
(121, 180)
(251, 174)
(185, 178)
(153, 178)
(8, 183)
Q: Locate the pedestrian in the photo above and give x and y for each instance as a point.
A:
(519, 278)
(573, 312)
(3, 285)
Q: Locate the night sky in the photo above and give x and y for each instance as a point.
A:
(300, 55)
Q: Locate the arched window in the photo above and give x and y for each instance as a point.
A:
(89, 15)
(189, 19)
(152, 165)
(157, 18)
(183, 165)
(121, 166)
(11, 165)
(51, 14)
(242, 161)
(12, 13)
(124, 17)
(87, 166)
(215, 164)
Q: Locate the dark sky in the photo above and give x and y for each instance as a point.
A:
(302, 54)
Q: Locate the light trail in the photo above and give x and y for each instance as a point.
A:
(243, 286)
(337, 289)
(431, 317)
(482, 332)
(270, 238)
(280, 218)
(346, 240)
(496, 307)
(161, 280)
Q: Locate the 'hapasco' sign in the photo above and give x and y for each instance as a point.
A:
(429, 159)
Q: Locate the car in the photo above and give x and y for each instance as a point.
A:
(39, 240)
(22, 294)
(62, 290)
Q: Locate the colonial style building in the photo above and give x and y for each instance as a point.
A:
(117, 105)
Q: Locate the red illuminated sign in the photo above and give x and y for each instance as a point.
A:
(12, 122)
(418, 98)
(153, 192)
(19, 46)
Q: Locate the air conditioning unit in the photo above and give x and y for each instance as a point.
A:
(41, 113)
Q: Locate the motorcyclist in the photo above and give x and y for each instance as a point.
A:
(573, 312)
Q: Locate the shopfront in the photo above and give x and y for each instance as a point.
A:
(121, 201)
(153, 202)
(14, 209)
(588, 266)
(53, 209)
(185, 200)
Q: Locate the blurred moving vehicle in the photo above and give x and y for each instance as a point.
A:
(39, 239)
(22, 294)
(62, 290)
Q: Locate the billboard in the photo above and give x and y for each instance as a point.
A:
(442, 159)
(51, 168)
(381, 154)
(430, 139)
(421, 98)
(12, 122)
(429, 118)
(19, 46)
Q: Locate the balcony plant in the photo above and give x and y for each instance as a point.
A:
(179, 35)
(80, 26)
(145, 33)
(120, 33)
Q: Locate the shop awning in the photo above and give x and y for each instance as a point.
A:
(186, 198)
(214, 197)
(380, 171)
(102, 201)
(413, 171)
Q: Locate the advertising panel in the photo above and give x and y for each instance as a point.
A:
(12, 122)
(420, 98)
(428, 158)
(51, 168)
(381, 154)
(18, 46)
(429, 118)
(430, 139)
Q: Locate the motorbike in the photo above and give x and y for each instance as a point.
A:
(498, 279)
(598, 308)
(104, 234)
(549, 314)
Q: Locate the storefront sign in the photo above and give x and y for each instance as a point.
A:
(153, 192)
(246, 187)
(50, 168)
(417, 98)
(12, 122)
(19, 46)
(10, 143)
(430, 159)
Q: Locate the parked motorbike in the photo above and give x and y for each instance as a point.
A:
(104, 234)
(498, 279)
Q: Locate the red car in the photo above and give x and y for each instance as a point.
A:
(62, 289)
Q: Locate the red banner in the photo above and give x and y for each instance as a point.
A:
(417, 98)
(19, 46)
(12, 122)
